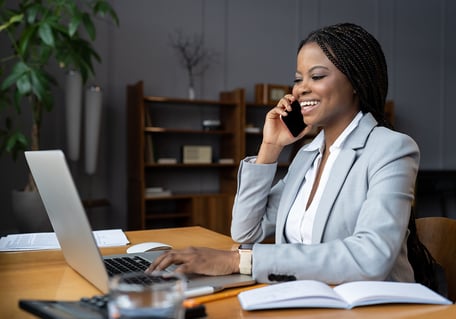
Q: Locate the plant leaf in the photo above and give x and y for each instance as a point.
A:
(24, 40)
(102, 8)
(17, 72)
(45, 32)
(12, 20)
(74, 25)
(42, 82)
(16, 143)
(88, 24)
(32, 12)
(24, 85)
(38, 84)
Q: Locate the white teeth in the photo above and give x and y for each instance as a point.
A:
(308, 103)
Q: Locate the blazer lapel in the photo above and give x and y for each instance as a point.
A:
(347, 156)
(344, 163)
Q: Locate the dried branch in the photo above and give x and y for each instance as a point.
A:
(193, 55)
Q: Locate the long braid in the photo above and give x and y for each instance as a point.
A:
(359, 56)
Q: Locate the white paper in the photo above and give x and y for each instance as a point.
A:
(43, 241)
(315, 294)
(374, 292)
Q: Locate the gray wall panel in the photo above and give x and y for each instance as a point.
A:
(256, 41)
(449, 88)
(418, 76)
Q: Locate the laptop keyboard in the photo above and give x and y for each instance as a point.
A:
(120, 265)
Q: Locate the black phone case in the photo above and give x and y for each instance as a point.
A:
(294, 120)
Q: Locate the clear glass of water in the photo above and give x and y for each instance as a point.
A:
(140, 295)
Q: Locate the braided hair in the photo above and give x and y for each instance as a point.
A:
(359, 56)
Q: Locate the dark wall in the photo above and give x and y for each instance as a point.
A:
(256, 41)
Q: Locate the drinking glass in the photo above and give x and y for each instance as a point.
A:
(140, 295)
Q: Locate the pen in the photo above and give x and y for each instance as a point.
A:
(218, 296)
(199, 291)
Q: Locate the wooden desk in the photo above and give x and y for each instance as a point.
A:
(45, 275)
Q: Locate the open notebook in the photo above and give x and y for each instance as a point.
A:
(69, 220)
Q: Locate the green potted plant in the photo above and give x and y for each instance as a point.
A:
(41, 33)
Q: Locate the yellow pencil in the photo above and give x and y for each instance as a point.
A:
(189, 303)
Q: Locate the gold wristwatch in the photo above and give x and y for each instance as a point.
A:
(245, 261)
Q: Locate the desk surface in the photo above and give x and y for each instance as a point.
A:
(45, 275)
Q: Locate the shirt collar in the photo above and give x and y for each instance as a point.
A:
(318, 142)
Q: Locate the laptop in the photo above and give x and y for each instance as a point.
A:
(69, 221)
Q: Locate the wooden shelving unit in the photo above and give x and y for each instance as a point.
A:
(200, 193)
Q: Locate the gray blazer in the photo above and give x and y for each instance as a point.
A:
(360, 229)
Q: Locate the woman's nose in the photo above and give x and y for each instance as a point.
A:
(301, 88)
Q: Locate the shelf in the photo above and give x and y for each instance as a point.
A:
(167, 216)
(168, 100)
(183, 196)
(169, 197)
(153, 129)
(181, 165)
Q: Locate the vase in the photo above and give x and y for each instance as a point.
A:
(93, 107)
(191, 93)
(73, 105)
(29, 212)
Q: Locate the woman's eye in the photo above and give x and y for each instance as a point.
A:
(297, 80)
(317, 77)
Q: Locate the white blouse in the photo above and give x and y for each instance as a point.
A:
(299, 225)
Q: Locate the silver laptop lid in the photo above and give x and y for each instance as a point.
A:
(69, 220)
(67, 215)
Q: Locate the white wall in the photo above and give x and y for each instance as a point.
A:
(257, 42)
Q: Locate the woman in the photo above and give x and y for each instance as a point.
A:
(342, 211)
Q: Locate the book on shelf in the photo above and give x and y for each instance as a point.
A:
(147, 118)
(252, 129)
(226, 161)
(149, 150)
(316, 294)
(157, 192)
(167, 160)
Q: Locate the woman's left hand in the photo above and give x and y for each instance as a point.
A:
(198, 260)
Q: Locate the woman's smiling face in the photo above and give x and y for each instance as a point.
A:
(327, 97)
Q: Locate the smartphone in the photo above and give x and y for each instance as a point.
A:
(294, 120)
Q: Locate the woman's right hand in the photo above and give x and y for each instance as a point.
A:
(275, 133)
(198, 260)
